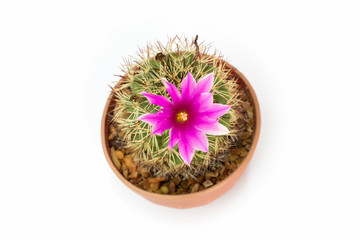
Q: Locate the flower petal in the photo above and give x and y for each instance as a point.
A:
(216, 110)
(153, 118)
(157, 100)
(203, 123)
(205, 84)
(204, 102)
(210, 126)
(166, 113)
(161, 126)
(185, 149)
(219, 129)
(174, 137)
(172, 90)
(188, 85)
(150, 118)
(197, 139)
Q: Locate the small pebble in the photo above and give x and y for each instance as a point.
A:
(146, 185)
(119, 154)
(115, 158)
(200, 179)
(243, 152)
(212, 174)
(208, 183)
(145, 172)
(239, 161)
(221, 172)
(195, 187)
(172, 187)
(250, 113)
(250, 123)
(179, 190)
(164, 189)
(227, 165)
(112, 135)
(156, 180)
(245, 135)
(123, 167)
(184, 185)
(176, 180)
(134, 174)
(233, 157)
(236, 151)
(112, 129)
(191, 181)
(129, 163)
(154, 186)
(134, 180)
(126, 173)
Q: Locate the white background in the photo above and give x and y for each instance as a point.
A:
(57, 60)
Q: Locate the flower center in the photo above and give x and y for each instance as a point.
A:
(182, 116)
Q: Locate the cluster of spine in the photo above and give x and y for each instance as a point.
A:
(144, 73)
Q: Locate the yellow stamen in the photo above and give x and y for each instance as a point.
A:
(182, 116)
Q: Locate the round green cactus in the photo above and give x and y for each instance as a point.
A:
(172, 61)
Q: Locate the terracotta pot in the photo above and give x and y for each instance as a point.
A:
(188, 200)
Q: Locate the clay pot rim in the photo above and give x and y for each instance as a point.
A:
(144, 193)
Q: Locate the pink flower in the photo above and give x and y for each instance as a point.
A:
(190, 116)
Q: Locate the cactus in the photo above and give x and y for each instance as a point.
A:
(144, 73)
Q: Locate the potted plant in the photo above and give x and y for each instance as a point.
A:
(181, 124)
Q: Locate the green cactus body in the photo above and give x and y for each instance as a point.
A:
(172, 62)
